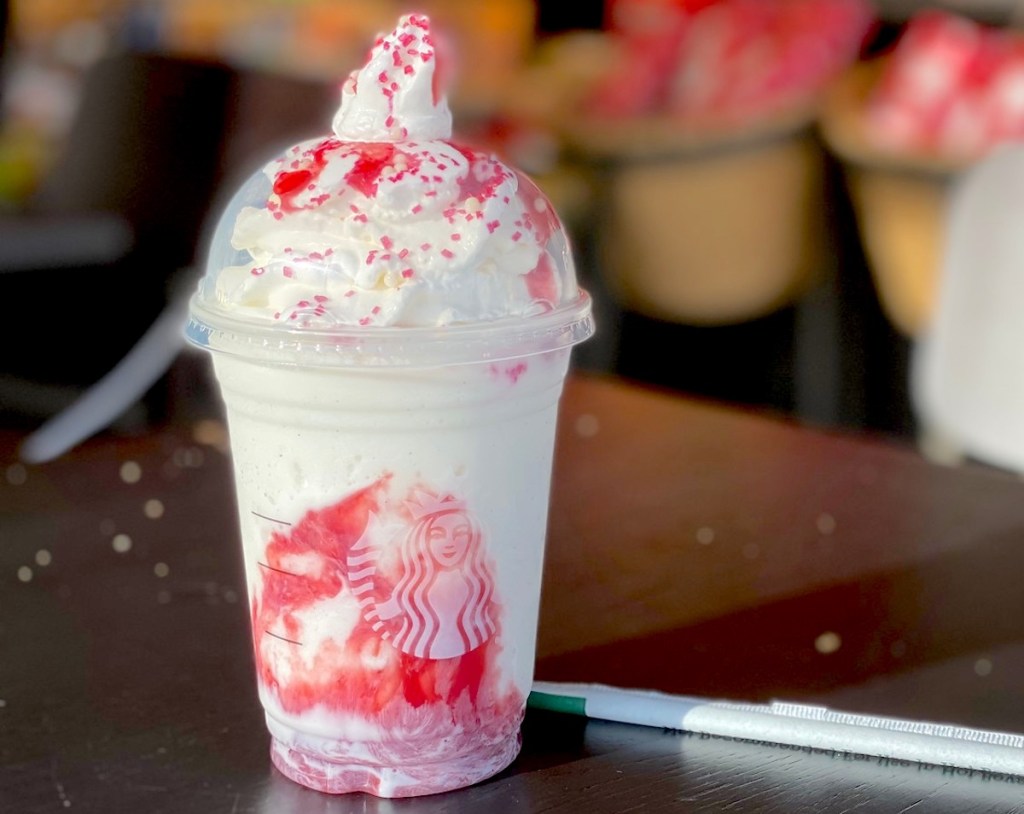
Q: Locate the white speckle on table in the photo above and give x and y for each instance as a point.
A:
(188, 457)
(131, 472)
(230, 596)
(828, 642)
(705, 535)
(161, 569)
(25, 574)
(153, 509)
(983, 667)
(43, 558)
(3, 703)
(122, 543)
(826, 523)
(16, 474)
(163, 597)
(211, 433)
(107, 527)
(751, 551)
(587, 425)
(62, 795)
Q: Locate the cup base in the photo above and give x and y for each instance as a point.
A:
(410, 780)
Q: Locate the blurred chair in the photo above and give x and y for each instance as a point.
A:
(107, 253)
(86, 267)
(967, 380)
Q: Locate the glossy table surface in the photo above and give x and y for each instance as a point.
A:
(692, 548)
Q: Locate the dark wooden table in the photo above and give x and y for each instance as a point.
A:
(692, 549)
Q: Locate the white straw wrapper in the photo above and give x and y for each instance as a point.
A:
(791, 724)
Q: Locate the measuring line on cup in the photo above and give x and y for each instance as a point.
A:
(271, 519)
(282, 638)
(269, 567)
(262, 564)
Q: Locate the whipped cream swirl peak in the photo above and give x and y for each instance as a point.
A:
(397, 95)
(388, 223)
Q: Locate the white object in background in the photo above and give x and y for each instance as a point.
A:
(108, 398)
(967, 374)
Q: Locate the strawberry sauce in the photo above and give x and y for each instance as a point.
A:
(376, 663)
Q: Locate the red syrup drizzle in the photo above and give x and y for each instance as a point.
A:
(372, 162)
(288, 184)
(435, 694)
(542, 282)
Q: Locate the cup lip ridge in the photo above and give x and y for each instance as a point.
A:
(391, 346)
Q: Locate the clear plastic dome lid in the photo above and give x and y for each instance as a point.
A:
(388, 244)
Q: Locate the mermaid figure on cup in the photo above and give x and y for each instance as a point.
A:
(441, 604)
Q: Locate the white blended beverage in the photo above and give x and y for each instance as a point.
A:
(391, 317)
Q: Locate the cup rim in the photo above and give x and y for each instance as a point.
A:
(391, 346)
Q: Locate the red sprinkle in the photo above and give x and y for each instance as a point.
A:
(320, 298)
(386, 242)
(350, 293)
(407, 273)
(288, 271)
(256, 272)
(456, 237)
(448, 254)
(375, 309)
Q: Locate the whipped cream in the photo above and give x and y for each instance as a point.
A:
(388, 223)
(397, 96)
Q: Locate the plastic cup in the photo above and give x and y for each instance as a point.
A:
(392, 489)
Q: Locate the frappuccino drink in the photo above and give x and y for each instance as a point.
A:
(390, 316)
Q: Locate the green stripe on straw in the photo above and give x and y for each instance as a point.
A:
(566, 704)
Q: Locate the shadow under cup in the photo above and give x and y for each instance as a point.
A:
(393, 524)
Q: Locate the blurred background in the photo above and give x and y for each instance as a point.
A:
(756, 189)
